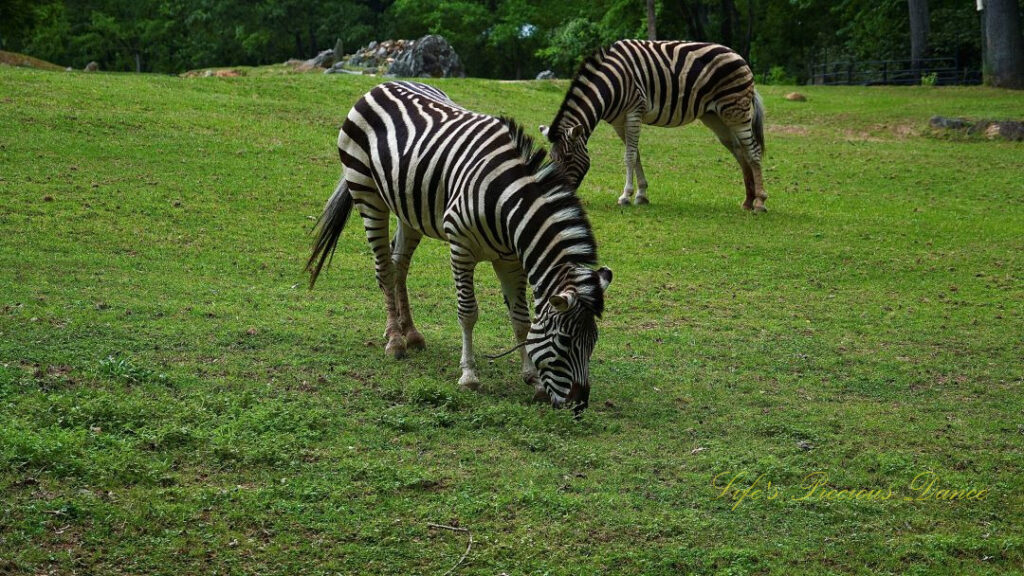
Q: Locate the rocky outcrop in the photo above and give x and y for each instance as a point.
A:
(990, 129)
(431, 56)
(546, 75)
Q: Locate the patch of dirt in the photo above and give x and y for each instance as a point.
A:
(882, 133)
(23, 61)
(788, 129)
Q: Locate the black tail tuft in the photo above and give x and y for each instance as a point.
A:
(330, 225)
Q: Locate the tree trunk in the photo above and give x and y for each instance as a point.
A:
(728, 24)
(652, 33)
(918, 32)
(697, 20)
(1004, 47)
(745, 47)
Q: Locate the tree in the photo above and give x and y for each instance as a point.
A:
(918, 31)
(1004, 47)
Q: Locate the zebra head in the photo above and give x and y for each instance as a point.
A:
(564, 334)
(569, 151)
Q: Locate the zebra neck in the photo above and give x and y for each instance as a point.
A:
(593, 96)
(551, 236)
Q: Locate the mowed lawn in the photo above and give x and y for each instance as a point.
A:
(173, 400)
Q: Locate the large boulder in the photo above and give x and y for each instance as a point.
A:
(430, 56)
(324, 59)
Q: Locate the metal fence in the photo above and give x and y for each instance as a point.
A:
(946, 71)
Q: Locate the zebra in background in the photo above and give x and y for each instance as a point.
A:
(475, 182)
(667, 83)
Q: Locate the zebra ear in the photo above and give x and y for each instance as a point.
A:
(562, 302)
(543, 130)
(575, 132)
(604, 276)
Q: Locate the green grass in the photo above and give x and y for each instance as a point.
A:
(174, 401)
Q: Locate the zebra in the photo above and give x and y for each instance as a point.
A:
(477, 183)
(661, 83)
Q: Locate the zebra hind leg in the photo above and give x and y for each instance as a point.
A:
(405, 243)
(641, 182)
(733, 139)
(376, 217)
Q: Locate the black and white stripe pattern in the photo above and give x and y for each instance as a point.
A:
(668, 83)
(476, 182)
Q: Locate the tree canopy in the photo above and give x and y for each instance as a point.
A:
(782, 39)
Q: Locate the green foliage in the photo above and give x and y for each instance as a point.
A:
(929, 79)
(867, 326)
(570, 44)
(777, 75)
(499, 38)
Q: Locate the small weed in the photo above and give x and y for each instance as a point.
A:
(123, 368)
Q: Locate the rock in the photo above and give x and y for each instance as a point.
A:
(990, 129)
(93, 66)
(1007, 130)
(430, 56)
(546, 75)
(948, 123)
(339, 49)
(324, 59)
(796, 97)
(339, 68)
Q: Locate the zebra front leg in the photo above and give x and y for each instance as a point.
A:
(405, 243)
(376, 221)
(513, 288)
(463, 265)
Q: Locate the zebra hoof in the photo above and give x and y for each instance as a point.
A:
(623, 200)
(469, 381)
(414, 340)
(759, 208)
(748, 206)
(395, 348)
(642, 200)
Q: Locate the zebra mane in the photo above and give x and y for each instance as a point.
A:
(564, 207)
(592, 61)
(533, 157)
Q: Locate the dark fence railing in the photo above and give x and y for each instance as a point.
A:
(946, 71)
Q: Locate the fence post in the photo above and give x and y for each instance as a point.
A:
(885, 72)
(849, 74)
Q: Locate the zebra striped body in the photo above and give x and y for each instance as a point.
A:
(669, 83)
(475, 182)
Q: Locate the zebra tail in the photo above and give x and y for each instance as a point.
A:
(330, 225)
(759, 121)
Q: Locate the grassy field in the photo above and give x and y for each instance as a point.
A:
(173, 400)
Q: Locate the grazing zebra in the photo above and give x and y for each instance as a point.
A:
(475, 182)
(670, 83)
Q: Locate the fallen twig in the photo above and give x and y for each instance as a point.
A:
(469, 545)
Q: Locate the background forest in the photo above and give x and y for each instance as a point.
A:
(782, 39)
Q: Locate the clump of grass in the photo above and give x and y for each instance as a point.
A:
(124, 369)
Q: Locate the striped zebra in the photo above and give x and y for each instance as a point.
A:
(476, 182)
(669, 83)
